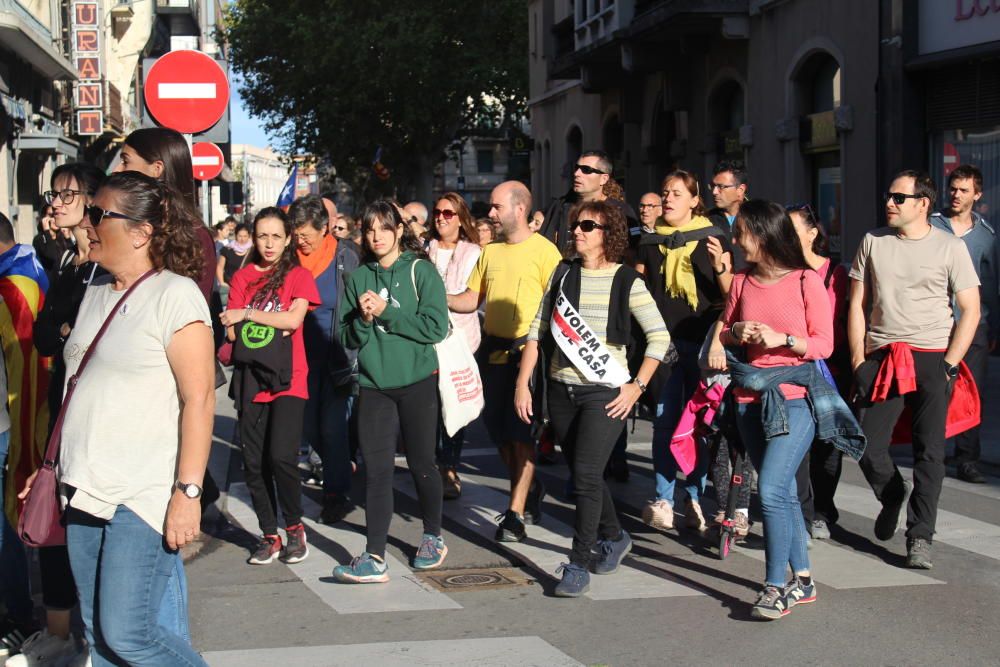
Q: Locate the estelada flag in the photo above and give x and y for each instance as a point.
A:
(22, 287)
(287, 195)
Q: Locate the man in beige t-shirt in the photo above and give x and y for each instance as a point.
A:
(904, 278)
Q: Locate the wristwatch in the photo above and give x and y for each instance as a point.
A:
(642, 385)
(952, 371)
(192, 491)
(789, 341)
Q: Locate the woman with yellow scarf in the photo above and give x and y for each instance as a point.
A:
(688, 269)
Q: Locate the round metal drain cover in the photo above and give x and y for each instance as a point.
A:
(474, 580)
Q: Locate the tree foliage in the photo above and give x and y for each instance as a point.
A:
(338, 78)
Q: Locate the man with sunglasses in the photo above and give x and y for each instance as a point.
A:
(901, 330)
(965, 187)
(591, 173)
(415, 215)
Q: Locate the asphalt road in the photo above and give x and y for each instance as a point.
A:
(673, 601)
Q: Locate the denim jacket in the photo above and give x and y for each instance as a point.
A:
(835, 423)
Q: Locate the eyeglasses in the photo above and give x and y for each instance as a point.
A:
(721, 186)
(446, 214)
(96, 214)
(643, 207)
(899, 197)
(588, 170)
(587, 226)
(65, 196)
(411, 220)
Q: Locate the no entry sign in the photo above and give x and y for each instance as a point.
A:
(186, 91)
(207, 160)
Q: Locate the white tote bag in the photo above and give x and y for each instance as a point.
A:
(459, 383)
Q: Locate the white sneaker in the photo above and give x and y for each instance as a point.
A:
(658, 514)
(42, 649)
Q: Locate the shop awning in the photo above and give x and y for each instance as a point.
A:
(56, 144)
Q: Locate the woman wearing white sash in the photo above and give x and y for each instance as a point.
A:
(587, 312)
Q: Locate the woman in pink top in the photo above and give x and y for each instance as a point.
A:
(779, 310)
(819, 475)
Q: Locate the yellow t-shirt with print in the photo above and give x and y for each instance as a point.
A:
(513, 278)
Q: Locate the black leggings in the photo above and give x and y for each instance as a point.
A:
(382, 415)
(270, 435)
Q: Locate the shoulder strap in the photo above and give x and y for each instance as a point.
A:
(52, 450)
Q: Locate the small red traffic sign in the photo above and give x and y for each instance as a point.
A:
(186, 91)
(207, 160)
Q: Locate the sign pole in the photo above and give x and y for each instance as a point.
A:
(189, 138)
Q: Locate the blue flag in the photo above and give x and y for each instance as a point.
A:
(287, 195)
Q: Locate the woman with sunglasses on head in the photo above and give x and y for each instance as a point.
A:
(273, 290)
(688, 271)
(393, 313)
(819, 477)
(586, 316)
(73, 187)
(454, 250)
(779, 312)
(136, 435)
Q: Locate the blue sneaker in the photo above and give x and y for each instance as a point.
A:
(431, 552)
(610, 553)
(365, 569)
(575, 581)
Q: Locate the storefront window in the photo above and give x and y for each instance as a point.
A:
(979, 148)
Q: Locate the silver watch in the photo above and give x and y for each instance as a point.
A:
(192, 491)
(789, 341)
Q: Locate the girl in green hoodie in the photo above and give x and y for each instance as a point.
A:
(393, 312)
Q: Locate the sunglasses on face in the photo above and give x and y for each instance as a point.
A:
(447, 215)
(899, 197)
(586, 225)
(588, 170)
(340, 229)
(95, 214)
(65, 196)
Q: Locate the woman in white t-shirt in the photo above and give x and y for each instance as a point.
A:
(454, 250)
(138, 430)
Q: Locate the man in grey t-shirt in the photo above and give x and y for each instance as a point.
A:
(904, 279)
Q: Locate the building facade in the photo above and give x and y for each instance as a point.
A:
(263, 173)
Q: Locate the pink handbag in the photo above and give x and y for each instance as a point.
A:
(41, 521)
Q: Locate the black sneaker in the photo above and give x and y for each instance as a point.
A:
(335, 508)
(891, 517)
(968, 472)
(918, 553)
(12, 636)
(533, 505)
(296, 550)
(771, 604)
(511, 528)
(266, 551)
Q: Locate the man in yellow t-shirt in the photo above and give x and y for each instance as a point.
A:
(511, 276)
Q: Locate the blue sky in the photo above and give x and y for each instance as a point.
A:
(243, 128)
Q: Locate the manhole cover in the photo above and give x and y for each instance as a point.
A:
(468, 580)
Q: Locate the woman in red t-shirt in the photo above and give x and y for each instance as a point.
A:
(273, 290)
(779, 309)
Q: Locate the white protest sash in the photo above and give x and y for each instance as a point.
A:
(584, 350)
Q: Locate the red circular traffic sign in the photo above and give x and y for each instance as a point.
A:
(207, 160)
(186, 91)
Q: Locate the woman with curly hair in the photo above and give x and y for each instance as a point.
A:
(274, 292)
(393, 313)
(136, 436)
(586, 313)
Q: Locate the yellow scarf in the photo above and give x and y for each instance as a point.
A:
(678, 272)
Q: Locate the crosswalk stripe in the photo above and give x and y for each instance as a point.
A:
(403, 592)
(953, 529)
(989, 490)
(484, 652)
(549, 544)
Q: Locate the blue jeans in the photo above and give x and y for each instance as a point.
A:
(13, 562)
(122, 568)
(675, 394)
(328, 413)
(776, 461)
(173, 610)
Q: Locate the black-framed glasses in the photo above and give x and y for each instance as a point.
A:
(588, 170)
(721, 186)
(587, 226)
(444, 213)
(899, 197)
(643, 207)
(65, 196)
(95, 214)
